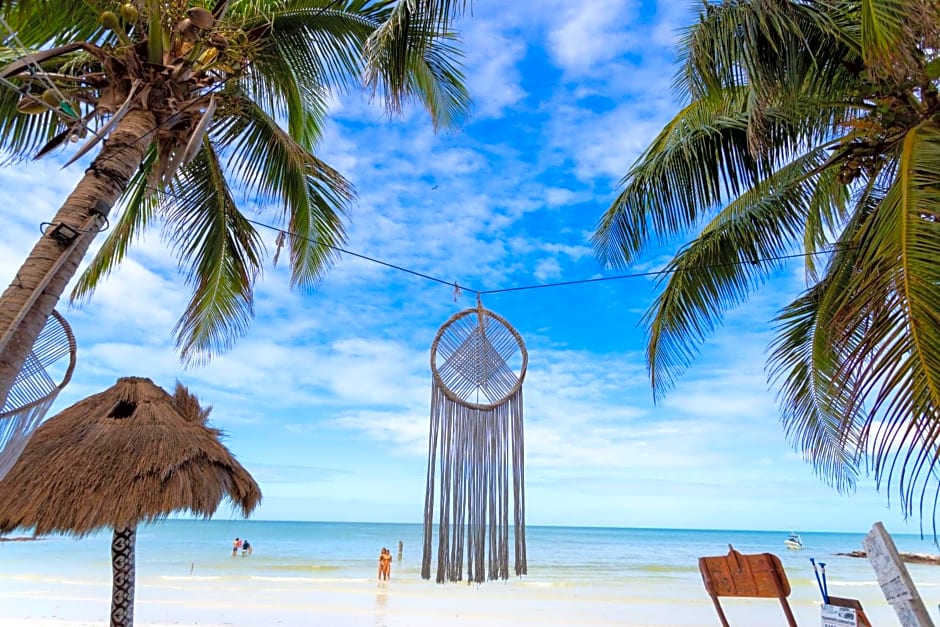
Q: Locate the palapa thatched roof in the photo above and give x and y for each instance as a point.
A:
(131, 453)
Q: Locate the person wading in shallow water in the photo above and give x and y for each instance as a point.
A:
(246, 547)
(236, 544)
(385, 564)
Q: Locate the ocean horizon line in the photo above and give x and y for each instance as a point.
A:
(781, 530)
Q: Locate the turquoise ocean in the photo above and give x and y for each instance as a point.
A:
(649, 564)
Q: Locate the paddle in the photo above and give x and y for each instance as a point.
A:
(822, 589)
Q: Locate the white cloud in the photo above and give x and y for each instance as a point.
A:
(555, 196)
(547, 269)
(589, 34)
(493, 77)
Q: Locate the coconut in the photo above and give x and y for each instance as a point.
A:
(51, 97)
(187, 29)
(201, 17)
(109, 20)
(129, 13)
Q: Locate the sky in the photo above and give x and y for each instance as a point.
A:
(326, 399)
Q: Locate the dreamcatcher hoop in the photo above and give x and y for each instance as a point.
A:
(474, 356)
(34, 389)
(478, 364)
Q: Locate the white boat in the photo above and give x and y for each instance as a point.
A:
(793, 541)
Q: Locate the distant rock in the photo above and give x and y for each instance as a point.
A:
(912, 558)
(19, 539)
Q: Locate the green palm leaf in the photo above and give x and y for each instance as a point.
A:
(42, 23)
(895, 35)
(822, 424)
(315, 39)
(220, 252)
(808, 360)
(408, 57)
(271, 165)
(895, 317)
(732, 256)
(765, 45)
(700, 160)
(701, 153)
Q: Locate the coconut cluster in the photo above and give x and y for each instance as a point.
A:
(193, 43)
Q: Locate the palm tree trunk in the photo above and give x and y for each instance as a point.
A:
(42, 278)
(122, 582)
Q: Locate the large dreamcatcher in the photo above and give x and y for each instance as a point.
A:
(478, 363)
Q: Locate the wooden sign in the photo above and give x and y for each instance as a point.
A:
(837, 616)
(736, 575)
(896, 584)
(842, 612)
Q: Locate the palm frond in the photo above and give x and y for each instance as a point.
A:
(807, 359)
(825, 426)
(220, 253)
(306, 43)
(43, 23)
(699, 154)
(702, 158)
(894, 316)
(304, 50)
(21, 136)
(272, 165)
(895, 35)
(764, 45)
(26, 135)
(408, 57)
(734, 253)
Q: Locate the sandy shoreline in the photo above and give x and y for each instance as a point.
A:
(211, 602)
(304, 574)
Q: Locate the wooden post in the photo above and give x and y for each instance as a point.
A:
(783, 588)
(710, 587)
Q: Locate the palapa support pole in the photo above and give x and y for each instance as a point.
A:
(122, 569)
(478, 362)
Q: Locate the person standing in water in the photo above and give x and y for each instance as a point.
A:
(237, 544)
(385, 564)
(246, 547)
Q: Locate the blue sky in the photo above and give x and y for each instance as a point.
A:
(326, 400)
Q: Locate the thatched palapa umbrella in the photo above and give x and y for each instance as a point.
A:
(129, 454)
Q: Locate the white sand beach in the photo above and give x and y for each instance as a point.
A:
(317, 573)
(293, 601)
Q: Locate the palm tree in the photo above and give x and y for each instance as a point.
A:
(810, 129)
(185, 105)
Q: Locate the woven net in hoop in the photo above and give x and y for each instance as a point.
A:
(36, 388)
(478, 364)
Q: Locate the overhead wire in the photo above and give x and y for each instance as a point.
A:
(459, 286)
